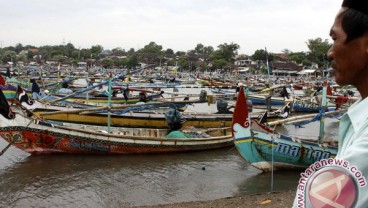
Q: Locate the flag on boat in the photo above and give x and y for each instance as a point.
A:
(240, 115)
(2, 80)
(23, 97)
(5, 108)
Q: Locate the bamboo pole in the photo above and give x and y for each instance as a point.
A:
(81, 91)
(159, 99)
(109, 105)
(302, 118)
(322, 121)
(72, 111)
(119, 107)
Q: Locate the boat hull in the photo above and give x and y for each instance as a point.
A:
(285, 152)
(269, 150)
(63, 141)
(141, 120)
(147, 120)
(261, 100)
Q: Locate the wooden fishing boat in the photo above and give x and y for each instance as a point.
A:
(145, 119)
(259, 99)
(310, 106)
(305, 105)
(101, 100)
(139, 119)
(93, 98)
(65, 111)
(22, 129)
(267, 149)
(131, 115)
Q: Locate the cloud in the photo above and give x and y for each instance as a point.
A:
(180, 25)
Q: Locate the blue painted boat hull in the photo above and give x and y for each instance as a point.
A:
(288, 153)
(267, 149)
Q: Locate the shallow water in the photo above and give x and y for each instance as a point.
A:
(130, 180)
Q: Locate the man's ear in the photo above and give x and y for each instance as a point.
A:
(366, 43)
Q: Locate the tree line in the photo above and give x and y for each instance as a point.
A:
(153, 54)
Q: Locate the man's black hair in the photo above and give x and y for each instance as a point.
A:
(355, 19)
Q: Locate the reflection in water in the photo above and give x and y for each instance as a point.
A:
(282, 181)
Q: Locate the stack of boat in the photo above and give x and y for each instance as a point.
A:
(123, 117)
(23, 128)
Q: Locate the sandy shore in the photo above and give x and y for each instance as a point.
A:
(277, 199)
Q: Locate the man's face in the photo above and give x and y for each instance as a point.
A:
(349, 60)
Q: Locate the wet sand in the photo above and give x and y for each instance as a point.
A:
(276, 199)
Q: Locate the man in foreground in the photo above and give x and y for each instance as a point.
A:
(341, 182)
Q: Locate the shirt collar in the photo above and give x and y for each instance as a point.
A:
(357, 115)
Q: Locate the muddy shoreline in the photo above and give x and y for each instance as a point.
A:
(276, 199)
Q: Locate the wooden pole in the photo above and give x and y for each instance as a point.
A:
(109, 106)
(91, 110)
(302, 118)
(322, 121)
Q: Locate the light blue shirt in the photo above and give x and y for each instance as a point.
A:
(352, 125)
(353, 144)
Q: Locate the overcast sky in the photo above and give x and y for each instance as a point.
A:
(176, 24)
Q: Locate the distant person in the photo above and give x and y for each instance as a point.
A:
(343, 182)
(284, 92)
(142, 97)
(36, 92)
(8, 73)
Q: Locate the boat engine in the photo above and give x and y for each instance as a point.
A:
(174, 119)
(203, 96)
(222, 107)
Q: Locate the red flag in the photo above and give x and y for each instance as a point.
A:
(2, 80)
(240, 114)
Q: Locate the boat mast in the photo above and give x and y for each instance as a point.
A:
(323, 114)
(109, 105)
(268, 69)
